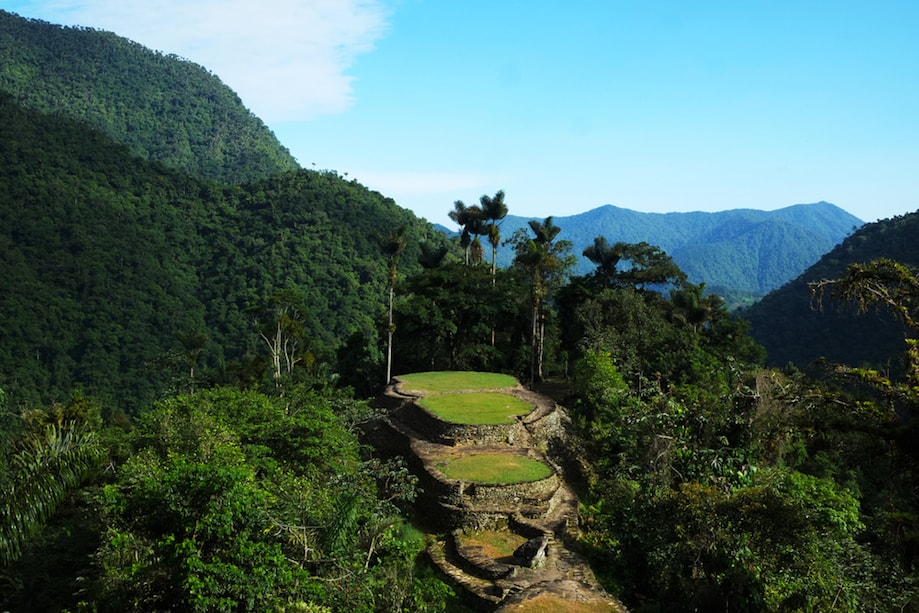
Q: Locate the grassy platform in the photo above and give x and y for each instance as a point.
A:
(548, 603)
(494, 468)
(437, 382)
(497, 544)
(476, 407)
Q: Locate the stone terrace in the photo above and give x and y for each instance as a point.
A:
(543, 513)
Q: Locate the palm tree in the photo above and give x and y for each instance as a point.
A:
(392, 247)
(460, 214)
(606, 257)
(471, 220)
(494, 210)
(431, 255)
(49, 465)
(547, 262)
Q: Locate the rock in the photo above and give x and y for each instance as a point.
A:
(532, 554)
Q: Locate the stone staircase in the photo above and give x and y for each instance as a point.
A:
(543, 514)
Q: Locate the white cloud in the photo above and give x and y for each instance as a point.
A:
(287, 59)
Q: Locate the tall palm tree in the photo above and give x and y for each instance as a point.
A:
(494, 210)
(392, 247)
(547, 262)
(460, 214)
(471, 221)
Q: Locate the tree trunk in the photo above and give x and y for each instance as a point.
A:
(389, 341)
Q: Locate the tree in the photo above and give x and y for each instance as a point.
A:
(193, 343)
(690, 306)
(606, 257)
(472, 223)
(547, 263)
(448, 313)
(432, 255)
(283, 332)
(494, 210)
(58, 451)
(892, 286)
(392, 247)
(650, 265)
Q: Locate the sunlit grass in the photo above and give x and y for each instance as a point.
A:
(452, 381)
(476, 407)
(496, 544)
(494, 468)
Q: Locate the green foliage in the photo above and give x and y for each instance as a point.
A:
(239, 501)
(165, 108)
(789, 324)
(48, 458)
(454, 318)
(713, 490)
(132, 282)
(44, 468)
(546, 264)
(598, 381)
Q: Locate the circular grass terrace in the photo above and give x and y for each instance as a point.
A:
(476, 408)
(494, 468)
(496, 544)
(439, 382)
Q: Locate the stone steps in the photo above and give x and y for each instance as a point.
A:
(486, 593)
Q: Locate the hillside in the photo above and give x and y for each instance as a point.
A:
(794, 331)
(109, 260)
(740, 251)
(164, 108)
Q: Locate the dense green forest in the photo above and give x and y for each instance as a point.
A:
(119, 271)
(794, 329)
(164, 108)
(186, 364)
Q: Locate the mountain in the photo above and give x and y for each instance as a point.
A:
(792, 328)
(740, 251)
(113, 265)
(164, 108)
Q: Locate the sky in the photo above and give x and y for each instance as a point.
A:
(650, 105)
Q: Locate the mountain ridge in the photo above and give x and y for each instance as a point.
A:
(165, 108)
(766, 248)
(794, 331)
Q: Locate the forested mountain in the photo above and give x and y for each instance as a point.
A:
(118, 271)
(230, 319)
(164, 108)
(795, 329)
(738, 253)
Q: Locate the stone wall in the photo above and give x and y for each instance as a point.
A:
(447, 433)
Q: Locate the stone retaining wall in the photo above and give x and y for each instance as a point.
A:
(447, 433)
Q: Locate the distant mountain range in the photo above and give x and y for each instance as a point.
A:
(742, 254)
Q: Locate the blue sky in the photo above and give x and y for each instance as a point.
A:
(654, 106)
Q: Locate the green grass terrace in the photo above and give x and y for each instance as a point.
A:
(494, 468)
(479, 408)
(439, 382)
